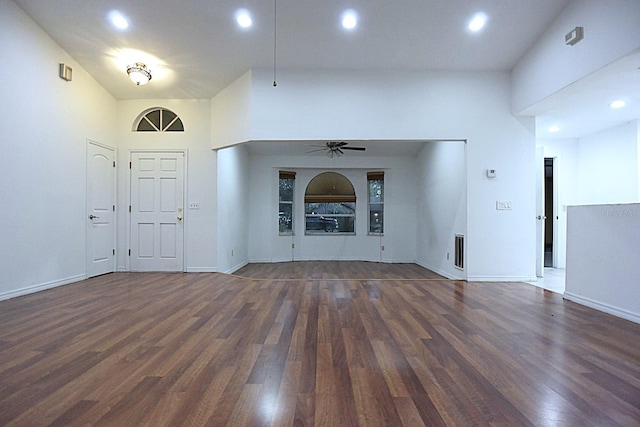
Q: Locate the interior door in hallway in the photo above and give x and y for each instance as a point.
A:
(101, 196)
(157, 214)
(540, 216)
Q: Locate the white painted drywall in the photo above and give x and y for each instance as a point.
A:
(603, 243)
(200, 224)
(611, 31)
(265, 243)
(44, 126)
(233, 208)
(330, 104)
(441, 206)
(231, 113)
(608, 166)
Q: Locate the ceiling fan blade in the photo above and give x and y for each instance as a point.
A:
(354, 148)
(340, 150)
(339, 143)
(319, 149)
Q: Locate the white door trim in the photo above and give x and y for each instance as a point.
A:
(185, 153)
(88, 208)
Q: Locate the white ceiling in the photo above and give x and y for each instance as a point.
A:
(195, 49)
(583, 107)
(199, 49)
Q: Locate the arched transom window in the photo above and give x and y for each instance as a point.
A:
(159, 120)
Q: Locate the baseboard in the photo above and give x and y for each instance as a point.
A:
(201, 270)
(446, 274)
(501, 278)
(609, 309)
(236, 268)
(41, 287)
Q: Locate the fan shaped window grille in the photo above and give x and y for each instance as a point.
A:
(159, 120)
(330, 205)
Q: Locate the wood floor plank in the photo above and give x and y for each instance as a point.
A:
(313, 343)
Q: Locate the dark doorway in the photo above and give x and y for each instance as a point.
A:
(548, 212)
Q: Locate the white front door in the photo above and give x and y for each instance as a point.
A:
(157, 214)
(101, 195)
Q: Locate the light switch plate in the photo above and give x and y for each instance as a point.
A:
(503, 205)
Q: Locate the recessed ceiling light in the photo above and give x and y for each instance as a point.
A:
(118, 20)
(617, 104)
(243, 18)
(477, 22)
(554, 129)
(349, 19)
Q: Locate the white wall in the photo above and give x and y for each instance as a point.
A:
(265, 243)
(44, 126)
(602, 258)
(608, 166)
(231, 113)
(233, 208)
(600, 168)
(441, 205)
(611, 31)
(330, 104)
(200, 224)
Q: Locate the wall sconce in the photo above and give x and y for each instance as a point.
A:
(139, 73)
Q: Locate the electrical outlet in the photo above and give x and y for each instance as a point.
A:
(293, 245)
(382, 248)
(231, 252)
(447, 256)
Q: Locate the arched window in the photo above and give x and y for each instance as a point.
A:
(159, 120)
(330, 205)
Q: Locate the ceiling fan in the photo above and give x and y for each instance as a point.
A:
(335, 148)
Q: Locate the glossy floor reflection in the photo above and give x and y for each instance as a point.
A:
(553, 280)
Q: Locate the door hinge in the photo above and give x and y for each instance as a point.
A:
(114, 252)
(129, 165)
(114, 163)
(129, 208)
(114, 208)
(129, 252)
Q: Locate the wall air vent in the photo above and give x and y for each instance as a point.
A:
(574, 36)
(459, 251)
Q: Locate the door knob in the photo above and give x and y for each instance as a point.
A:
(539, 217)
(93, 217)
(179, 218)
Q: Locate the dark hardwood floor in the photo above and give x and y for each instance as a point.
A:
(327, 344)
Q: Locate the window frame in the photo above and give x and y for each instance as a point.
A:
(371, 177)
(334, 202)
(145, 124)
(286, 175)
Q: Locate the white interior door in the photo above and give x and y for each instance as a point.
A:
(540, 217)
(101, 196)
(157, 198)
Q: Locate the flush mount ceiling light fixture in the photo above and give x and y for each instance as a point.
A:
(139, 73)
